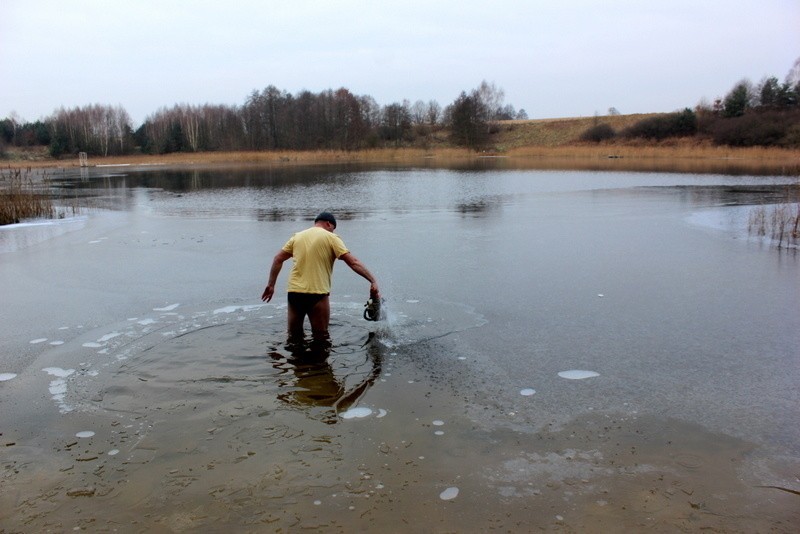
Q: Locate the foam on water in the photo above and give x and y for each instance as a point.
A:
(58, 387)
(527, 392)
(108, 337)
(7, 376)
(128, 341)
(58, 372)
(233, 309)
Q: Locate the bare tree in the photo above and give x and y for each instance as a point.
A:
(190, 119)
(419, 113)
(123, 128)
(16, 121)
(370, 112)
(396, 122)
(434, 113)
(349, 126)
(491, 99)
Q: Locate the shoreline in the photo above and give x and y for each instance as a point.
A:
(578, 155)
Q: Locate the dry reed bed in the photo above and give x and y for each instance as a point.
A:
(662, 151)
(667, 152)
(21, 198)
(780, 222)
(288, 158)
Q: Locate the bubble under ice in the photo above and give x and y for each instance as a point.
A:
(356, 413)
(449, 494)
(167, 308)
(577, 374)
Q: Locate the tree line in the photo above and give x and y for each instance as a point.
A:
(763, 114)
(270, 119)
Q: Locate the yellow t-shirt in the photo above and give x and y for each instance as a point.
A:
(313, 251)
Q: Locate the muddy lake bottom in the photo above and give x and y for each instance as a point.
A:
(570, 352)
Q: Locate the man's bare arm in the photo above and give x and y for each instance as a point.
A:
(277, 263)
(361, 269)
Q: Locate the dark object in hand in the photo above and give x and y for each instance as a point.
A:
(372, 310)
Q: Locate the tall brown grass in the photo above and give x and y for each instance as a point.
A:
(675, 149)
(265, 157)
(21, 198)
(781, 222)
(533, 144)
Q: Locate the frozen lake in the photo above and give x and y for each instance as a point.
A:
(586, 351)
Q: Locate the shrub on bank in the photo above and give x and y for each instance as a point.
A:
(679, 124)
(598, 133)
(769, 128)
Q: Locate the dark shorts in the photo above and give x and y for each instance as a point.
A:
(304, 302)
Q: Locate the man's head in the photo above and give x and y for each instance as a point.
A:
(326, 217)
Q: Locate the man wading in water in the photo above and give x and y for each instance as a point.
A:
(314, 250)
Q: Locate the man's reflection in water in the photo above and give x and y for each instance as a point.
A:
(309, 381)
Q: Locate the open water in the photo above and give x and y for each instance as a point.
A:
(563, 350)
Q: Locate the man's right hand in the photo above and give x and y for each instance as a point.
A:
(266, 296)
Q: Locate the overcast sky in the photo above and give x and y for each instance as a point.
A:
(554, 58)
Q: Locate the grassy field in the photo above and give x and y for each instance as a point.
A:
(555, 132)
